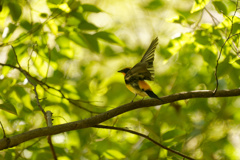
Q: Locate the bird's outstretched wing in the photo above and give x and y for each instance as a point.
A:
(144, 69)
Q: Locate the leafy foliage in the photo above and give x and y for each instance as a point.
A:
(70, 51)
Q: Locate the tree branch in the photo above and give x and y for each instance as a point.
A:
(144, 136)
(44, 85)
(92, 121)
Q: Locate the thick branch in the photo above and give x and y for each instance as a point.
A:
(90, 122)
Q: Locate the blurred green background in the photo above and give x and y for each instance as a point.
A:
(77, 47)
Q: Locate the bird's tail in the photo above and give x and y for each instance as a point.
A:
(153, 95)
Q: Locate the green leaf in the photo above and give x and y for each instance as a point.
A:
(238, 61)
(172, 134)
(43, 15)
(78, 38)
(73, 21)
(8, 32)
(63, 42)
(154, 4)
(109, 37)
(53, 1)
(7, 106)
(236, 27)
(84, 25)
(201, 38)
(209, 57)
(11, 58)
(92, 42)
(15, 10)
(5, 83)
(177, 19)
(199, 5)
(26, 25)
(113, 154)
(73, 4)
(233, 76)
(220, 7)
(90, 8)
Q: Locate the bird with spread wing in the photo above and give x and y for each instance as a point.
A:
(135, 76)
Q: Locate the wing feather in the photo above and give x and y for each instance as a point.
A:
(144, 69)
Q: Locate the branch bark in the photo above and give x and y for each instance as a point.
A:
(12, 141)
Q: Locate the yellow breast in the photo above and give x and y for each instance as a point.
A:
(136, 91)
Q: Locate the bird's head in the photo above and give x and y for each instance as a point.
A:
(124, 71)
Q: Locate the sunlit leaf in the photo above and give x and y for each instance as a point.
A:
(199, 5)
(53, 27)
(177, 19)
(64, 7)
(63, 42)
(8, 31)
(114, 154)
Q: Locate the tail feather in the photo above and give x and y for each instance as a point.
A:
(153, 95)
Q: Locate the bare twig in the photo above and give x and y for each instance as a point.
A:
(45, 85)
(144, 136)
(38, 103)
(215, 20)
(220, 53)
(30, 81)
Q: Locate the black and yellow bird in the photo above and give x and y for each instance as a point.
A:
(135, 76)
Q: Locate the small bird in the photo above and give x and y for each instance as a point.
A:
(135, 76)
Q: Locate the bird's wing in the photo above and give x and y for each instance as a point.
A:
(144, 69)
(148, 57)
(139, 72)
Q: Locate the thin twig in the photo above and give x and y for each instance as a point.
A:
(43, 85)
(30, 56)
(38, 103)
(19, 153)
(30, 81)
(220, 53)
(144, 136)
(215, 20)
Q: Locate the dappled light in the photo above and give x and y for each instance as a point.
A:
(64, 57)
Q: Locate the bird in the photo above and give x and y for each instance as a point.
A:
(135, 77)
